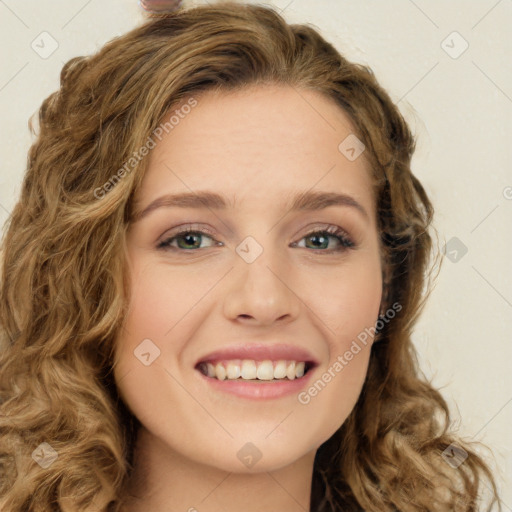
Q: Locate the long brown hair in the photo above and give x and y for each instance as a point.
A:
(64, 290)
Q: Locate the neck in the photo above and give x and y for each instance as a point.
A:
(164, 480)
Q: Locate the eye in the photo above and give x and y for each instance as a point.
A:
(320, 241)
(186, 239)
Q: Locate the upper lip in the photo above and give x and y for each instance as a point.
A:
(260, 352)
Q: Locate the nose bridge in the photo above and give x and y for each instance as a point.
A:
(261, 289)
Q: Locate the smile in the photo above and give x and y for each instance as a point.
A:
(256, 380)
(249, 369)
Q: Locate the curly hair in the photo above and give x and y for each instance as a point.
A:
(64, 286)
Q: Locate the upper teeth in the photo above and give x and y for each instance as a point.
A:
(249, 369)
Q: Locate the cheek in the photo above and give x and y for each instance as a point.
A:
(164, 306)
(348, 307)
(150, 314)
(160, 297)
(348, 300)
(151, 306)
(141, 354)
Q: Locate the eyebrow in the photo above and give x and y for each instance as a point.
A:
(304, 201)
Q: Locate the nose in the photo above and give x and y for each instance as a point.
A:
(261, 293)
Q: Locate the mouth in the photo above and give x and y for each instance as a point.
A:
(263, 371)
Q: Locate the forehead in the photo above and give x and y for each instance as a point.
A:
(260, 143)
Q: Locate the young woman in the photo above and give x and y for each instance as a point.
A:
(209, 285)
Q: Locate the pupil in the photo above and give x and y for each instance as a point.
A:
(188, 238)
(317, 237)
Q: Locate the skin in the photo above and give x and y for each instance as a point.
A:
(258, 147)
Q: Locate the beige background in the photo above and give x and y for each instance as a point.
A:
(458, 102)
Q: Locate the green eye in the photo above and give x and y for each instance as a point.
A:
(322, 238)
(190, 240)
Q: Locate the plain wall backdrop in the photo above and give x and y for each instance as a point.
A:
(447, 65)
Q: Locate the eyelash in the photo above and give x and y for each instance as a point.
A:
(333, 231)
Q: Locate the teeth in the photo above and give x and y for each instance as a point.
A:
(210, 369)
(220, 371)
(248, 369)
(280, 370)
(265, 370)
(232, 371)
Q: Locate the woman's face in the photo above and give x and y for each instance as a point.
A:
(263, 275)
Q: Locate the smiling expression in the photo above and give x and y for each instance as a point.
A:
(251, 229)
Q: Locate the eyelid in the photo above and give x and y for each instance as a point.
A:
(178, 230)
(193, 227)
(332, 230)
(182, 229)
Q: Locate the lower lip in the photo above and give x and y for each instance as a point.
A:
(260, 389)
